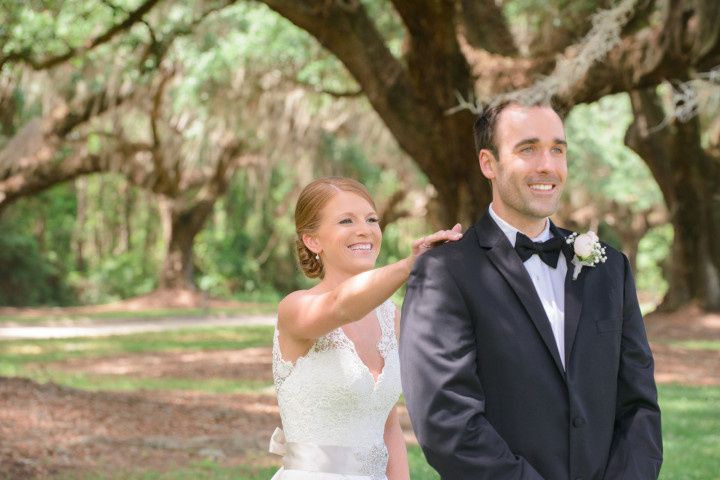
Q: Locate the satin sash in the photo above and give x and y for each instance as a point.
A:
(315, 458)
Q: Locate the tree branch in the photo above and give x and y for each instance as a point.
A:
(678, 45)
(391, 211)
(133, 17)
(48, 174)
(346, 30)
(484, 26)
(329, 91)
(651, 145)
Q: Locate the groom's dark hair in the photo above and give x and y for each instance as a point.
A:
(486, 124)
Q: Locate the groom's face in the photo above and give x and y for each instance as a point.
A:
(529, 172)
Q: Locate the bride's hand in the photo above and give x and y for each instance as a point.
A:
(423, 244)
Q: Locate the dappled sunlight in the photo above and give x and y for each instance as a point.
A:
(103, 431)
(687, 366)
(24, 349)
(250, 364)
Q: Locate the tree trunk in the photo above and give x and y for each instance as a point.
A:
(123, 227)
(78, 238)
(689, 179)
(184, 223)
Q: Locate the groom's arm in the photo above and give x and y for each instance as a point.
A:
(442, 389)
(636, 450)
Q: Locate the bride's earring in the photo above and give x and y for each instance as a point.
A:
(317, 257)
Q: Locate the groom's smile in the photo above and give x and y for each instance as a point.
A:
(542, 187)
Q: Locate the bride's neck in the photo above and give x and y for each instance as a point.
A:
(333, 278)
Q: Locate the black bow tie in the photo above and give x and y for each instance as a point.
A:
(548, 251)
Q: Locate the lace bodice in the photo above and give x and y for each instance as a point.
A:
(330, 397)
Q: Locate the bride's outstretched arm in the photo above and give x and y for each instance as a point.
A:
(306, 316)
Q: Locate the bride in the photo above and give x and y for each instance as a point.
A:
(335, 358)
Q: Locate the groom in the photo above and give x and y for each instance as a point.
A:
(511, 368)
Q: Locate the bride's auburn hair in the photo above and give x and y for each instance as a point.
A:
(311, 201)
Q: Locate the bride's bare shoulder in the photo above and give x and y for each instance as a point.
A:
(290, 301)
(295, 302)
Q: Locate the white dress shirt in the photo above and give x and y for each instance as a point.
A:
(549, 282)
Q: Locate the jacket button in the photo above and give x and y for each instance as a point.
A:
(578, 422)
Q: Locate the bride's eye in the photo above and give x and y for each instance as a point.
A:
(373, 220)
(346, 221)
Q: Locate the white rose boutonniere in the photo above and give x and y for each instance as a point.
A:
(588, 251)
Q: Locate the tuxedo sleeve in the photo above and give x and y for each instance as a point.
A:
(443, 392)
(636, 450)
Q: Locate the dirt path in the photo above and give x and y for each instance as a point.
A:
(124, 327)
(46, 430)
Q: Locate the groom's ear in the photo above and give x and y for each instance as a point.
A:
(487, 161)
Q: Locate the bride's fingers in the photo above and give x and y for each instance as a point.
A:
(443, 236)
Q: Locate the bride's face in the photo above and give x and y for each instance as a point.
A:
(349, 235)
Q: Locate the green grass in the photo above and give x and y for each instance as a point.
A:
(154, 314)
(203, 470)
(28, 358)
(95, 383)
(691, 415)
(210, 470)
(419, 468)
(691, 432)
(19, 352)
(695, 344)
(691, 436)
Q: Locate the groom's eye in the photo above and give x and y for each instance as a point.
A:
(346, 220)
(373, 220)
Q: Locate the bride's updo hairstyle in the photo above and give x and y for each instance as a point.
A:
(310, 203)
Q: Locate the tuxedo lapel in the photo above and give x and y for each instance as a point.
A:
(573, 298)
(502, 254)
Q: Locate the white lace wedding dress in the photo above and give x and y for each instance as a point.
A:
(333, 411)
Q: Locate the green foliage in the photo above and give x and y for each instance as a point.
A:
(33, 244)
(653, 252)
(28, 277)
(115, 277)
(246, 248)
(346, 158)
(599, 161)
(225, 69)
(48, 28)
(610, 176)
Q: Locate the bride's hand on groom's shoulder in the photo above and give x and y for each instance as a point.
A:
(421, 245)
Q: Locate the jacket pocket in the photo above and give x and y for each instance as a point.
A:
(610, 325)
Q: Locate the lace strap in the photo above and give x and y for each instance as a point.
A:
(281, 367)
(386, 318)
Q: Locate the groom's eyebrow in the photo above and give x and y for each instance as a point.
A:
(534, 140)
(526, 141)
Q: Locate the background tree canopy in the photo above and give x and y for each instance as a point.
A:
(160, 144)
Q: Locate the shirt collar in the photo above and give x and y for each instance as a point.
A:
(511, 232)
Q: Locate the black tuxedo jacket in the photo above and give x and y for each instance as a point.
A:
(487, 393)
